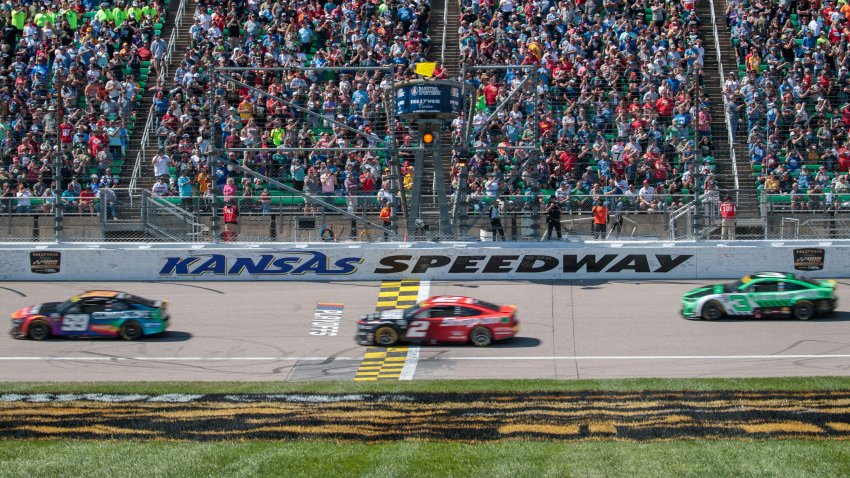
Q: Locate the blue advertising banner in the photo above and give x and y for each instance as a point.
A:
(428, 97)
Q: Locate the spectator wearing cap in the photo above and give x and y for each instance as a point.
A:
(159, 49)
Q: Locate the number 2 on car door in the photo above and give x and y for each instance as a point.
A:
(418, 329)
(75, 323)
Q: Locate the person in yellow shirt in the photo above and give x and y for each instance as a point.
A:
(277, 135)
(103, 15)
(771, 184)
(753, 60)
(203, 181)
(246, 109)
(44, 17)
(137, 12)
(535, 50)
(71, 16)
(150, 10)
(408, 180)
(119, 14)
(19, 18)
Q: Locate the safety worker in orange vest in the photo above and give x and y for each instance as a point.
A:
(600, 220)
(386, 217)
(727, 219)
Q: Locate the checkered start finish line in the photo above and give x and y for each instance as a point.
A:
(393, 363)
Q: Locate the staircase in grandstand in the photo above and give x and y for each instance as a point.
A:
(733, 171)
(445, 49)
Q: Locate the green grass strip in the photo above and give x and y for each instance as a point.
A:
(793, 458)
(782, 383)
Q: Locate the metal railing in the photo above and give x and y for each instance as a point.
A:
(175, 32)
(141, 155)
(445, 30)
(732, 156)
(167, 221)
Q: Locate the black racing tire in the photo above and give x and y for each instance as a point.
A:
(803, 310)
(481, 336)
(712, 310)
(386, 335)
(131, 330)
(38, 330)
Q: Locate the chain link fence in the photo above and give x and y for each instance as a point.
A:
(134, 215)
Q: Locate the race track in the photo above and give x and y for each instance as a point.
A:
(261, 331)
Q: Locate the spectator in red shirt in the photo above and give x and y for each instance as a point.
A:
(664, 105)
(844, 160)
(87, 200)
(491, 93)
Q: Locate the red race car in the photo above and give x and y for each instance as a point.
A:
(440, 319)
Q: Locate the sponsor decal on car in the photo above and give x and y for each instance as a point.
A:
(468, 322)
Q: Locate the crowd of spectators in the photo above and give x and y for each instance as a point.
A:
(287, 107)
(791, 96)
(618, 108)
(71, 74)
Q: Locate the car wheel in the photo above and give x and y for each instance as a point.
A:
(481, 336)
(131, 330)
(803, 310)
(38, 330)
(712, 311)
(386, 335)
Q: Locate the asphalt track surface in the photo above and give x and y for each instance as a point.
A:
(261, 331)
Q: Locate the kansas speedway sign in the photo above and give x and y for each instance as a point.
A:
(383, 263)
(391, 261)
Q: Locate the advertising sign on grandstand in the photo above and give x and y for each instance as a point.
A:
(321, 262)
(422, 97)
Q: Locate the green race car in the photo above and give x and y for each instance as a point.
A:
(764, 294)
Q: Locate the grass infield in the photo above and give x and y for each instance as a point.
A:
(534, 454)
(94, 459)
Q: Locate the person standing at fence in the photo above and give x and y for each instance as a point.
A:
(600, 220)
(387, 218)
(231, 221)
(24, 196)
(107, 197)
(87, 200)
(831, 211)
(48, 200)
(727, 219)
(553, 218)
(497, 208)
(187, 191)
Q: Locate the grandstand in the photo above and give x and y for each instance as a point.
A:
(286, 111)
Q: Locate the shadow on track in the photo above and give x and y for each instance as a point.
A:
(514, 343)
(169, 336)
(837, 316)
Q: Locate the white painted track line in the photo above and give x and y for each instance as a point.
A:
(412, 359)
(439, 358)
